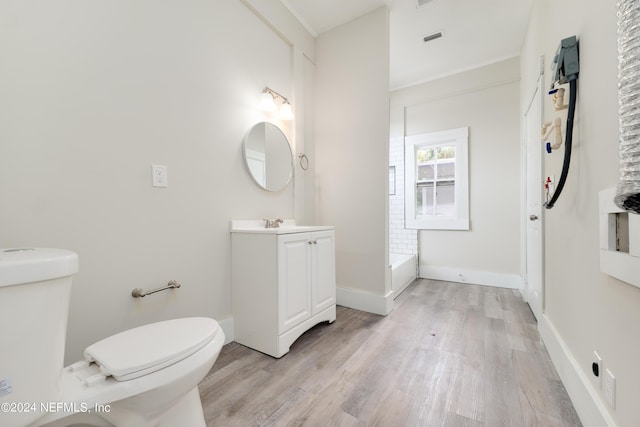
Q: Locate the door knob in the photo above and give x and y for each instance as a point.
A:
(533, 217)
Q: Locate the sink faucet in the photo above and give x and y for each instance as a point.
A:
(273, 224)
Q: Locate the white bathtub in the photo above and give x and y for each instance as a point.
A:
(403, 271)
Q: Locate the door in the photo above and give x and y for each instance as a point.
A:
(534, 290)
(323, 270)
(294, 275)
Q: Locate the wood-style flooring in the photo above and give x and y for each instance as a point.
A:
(448, 355)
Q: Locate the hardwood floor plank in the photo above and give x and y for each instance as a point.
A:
(393, 410)
(502, 406)
(449, 355)
(276, 405)
(492, 306)
(466, 396)
(568, 413)
(455, 420)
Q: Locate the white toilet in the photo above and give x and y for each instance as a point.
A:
(146, 376)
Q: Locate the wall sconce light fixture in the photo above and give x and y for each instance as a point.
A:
(267, 103)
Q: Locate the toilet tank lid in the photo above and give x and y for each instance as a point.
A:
(27, 265)
(145, 349)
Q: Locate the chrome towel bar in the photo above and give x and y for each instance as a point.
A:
(139, 293)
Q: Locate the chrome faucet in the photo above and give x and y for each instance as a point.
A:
(273, 224)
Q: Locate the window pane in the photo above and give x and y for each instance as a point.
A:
(446, 198)
(424, 199)
(424, 154)
(447, 152)
(426, 172)
(446, 169)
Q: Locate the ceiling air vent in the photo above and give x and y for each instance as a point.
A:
(432, 37)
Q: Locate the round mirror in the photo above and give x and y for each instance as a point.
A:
(268, 157)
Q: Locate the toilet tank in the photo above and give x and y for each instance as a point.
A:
(35, 285)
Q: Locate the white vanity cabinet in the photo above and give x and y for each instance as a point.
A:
(283, 283)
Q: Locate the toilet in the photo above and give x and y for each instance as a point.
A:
(146, 376)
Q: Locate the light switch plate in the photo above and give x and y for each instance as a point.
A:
(159, 176)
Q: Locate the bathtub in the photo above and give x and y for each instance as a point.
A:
(403, 271)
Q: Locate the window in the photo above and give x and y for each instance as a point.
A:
(436, 180)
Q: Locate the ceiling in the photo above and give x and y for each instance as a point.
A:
(475, 32)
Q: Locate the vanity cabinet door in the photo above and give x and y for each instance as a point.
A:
(294, 278)
(323, 276)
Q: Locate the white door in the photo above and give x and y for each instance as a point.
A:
(534, 290)
(294, 275)
(323, 277)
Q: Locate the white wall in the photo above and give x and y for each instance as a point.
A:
(485, 100)
(585, 309)
(92, 94)
(352, 149)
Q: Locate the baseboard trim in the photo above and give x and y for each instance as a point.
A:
(227, 327)
(365, 301)
(588, 404)
(473, 277)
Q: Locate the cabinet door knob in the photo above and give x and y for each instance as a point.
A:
(310, 242)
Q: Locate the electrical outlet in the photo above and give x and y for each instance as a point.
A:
(609, 388)
(159, 176)
(596, 370)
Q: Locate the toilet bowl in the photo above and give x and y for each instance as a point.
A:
(146, 376)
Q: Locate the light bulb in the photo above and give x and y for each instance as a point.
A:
(286, 113)
(266, 102)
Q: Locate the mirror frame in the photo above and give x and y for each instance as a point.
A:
(289, 152)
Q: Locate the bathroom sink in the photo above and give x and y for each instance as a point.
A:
(287, 227)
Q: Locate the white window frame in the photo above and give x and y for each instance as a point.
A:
(460, 220)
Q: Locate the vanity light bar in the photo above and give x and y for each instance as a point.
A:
(274, 93)
(267, 103)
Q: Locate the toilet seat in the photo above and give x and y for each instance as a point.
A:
(149, 348)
